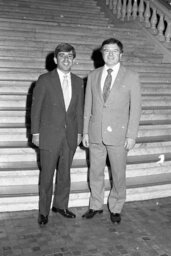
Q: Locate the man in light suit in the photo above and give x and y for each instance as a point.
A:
(111, 120)
(56, 125)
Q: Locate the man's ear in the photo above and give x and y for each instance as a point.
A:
(55, 60)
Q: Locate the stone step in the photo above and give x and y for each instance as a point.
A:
(88, 14)
(24, 64)
(44, 27)
(29, 178)
(143, 137)
(11, 135)
(154, 91)
(23, 87)
(82, 186)
(82, 19)
(22, 74)
(80, 64)
(16, 115)
(27, 24)
(84, 44)
(155, 79)
(154, 75)
(155, 84)
(47, 28)
(26, 202)
(12, 23)
(79, 174)
(26, 197)
(52, 6)
(21, 116)
(141, 152)
(26, 84)
(22, 101)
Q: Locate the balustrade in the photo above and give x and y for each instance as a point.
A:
(155, 16)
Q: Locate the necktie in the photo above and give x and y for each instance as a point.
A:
(107, 84)
(66, 94)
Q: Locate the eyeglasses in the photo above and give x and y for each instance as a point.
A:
(65, 55)
(115, 52)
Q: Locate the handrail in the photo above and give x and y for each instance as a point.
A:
(155, 16)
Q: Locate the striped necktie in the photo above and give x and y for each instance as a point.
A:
(107, 84)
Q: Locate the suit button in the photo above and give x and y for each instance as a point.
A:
(65, 126)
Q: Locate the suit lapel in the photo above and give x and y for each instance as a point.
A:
(119, 77)
(73, 90)
(97, 82)
(118, 81)
(56, 87)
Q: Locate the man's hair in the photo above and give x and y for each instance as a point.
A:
(64, 47)
(113, 41)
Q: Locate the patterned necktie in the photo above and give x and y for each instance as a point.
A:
(66, 94)
(107, 84)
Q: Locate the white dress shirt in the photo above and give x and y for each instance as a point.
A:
(105, 73)
(61, 77)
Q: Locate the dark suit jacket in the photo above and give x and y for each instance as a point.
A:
(48, 115)
(118, 118)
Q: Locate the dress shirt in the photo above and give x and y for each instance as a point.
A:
(61, 77)
(105, 73)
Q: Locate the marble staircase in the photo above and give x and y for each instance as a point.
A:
(29, 32)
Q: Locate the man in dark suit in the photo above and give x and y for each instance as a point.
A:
(56, 126)
(111, 119)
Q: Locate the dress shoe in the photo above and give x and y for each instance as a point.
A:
(64, 212)
(43, 220)
(115, 217)
(91, 213)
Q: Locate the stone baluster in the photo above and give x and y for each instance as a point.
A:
(168, 32)
(119, 6)
(123, 10)
(147, 15)
(154, 21)
(141, 11)
(134, 9)
(107, 2)
(115, 6)
(129, 9)
(160, 28)
(111, 4)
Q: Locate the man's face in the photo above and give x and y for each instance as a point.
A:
(64, 61)
(111, 54)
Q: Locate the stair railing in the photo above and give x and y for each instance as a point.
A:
(155, 16)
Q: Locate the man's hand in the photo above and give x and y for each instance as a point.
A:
(79, 138)
(35, 139)
(129, 144)
(86, 140)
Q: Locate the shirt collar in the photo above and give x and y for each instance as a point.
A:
(62, 74)
(114, 68)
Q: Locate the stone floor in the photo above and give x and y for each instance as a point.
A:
(145, 230)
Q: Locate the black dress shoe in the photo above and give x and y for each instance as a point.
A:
(115, 217)
(91, 213)
(43, 220)
(64, 212)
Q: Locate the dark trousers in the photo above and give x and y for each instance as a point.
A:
(61, 160)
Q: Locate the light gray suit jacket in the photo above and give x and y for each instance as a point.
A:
(118, 118)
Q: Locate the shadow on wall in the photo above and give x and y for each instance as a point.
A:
(97, 58)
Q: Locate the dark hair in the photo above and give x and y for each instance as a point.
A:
(113, 41)
(64, 47)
